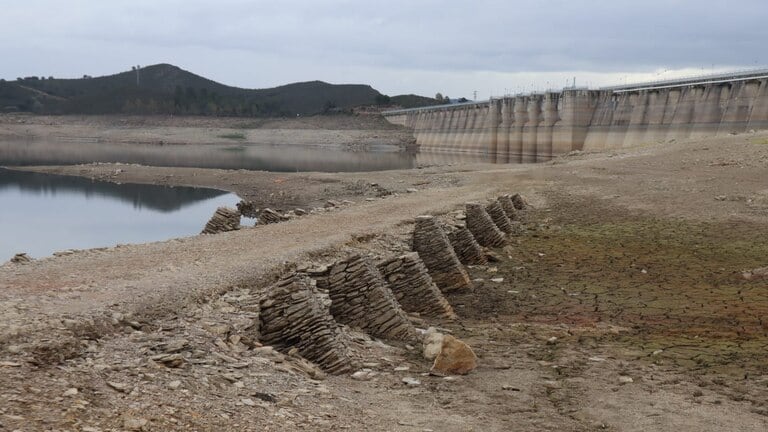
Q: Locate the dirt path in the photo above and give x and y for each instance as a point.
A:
(622, 308)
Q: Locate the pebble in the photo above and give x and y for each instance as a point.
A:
(134, 423)
(411, 382)
(71, 392)
(248, 402)
(497, 280)
(118, 386)
(364, 375)
(173, 385)
(625, 379)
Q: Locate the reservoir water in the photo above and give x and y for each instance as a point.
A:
(283, 158)
(43, 213)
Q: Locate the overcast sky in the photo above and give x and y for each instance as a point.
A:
(410, 46)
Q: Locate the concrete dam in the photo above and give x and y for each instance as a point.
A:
(536, 127)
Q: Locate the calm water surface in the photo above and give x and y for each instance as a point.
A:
(284, 158)
(43, 213)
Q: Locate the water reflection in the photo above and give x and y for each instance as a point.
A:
(284, 158)
(44, 213)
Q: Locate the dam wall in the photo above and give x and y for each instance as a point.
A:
(536, 127)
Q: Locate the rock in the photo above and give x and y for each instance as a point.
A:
(756, 274)
(122, 388)
(173, 385)
(21, 258)
(455, 357)
(332, 204)
(411, 190)
(411, 382)
(248, 402)
(625, 379)
(70, 392)
(134, 423)
(364, 375)
(169, 360)
(497, 280)
(433, 343)
(435, 250)
(299, 212)
(223, 220)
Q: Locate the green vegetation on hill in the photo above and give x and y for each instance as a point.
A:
(413, 101)
(167, 89)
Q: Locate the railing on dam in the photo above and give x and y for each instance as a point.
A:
(539, 126)
(692, 80)
(718, 78)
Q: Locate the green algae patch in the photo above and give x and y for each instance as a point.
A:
(675, 285)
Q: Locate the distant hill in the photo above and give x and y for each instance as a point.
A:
(413, 101)
(167, 89)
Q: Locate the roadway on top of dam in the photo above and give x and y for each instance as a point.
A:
(718, 78)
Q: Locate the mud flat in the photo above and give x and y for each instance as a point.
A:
(621, 307)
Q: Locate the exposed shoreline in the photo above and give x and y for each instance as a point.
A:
(708, 192)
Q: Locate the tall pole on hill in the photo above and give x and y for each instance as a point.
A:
(137, 75)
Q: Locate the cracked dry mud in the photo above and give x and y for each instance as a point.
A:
(622, 307)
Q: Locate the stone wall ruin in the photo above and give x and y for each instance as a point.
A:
(481, 226)
(292, 316)
(413, 288)
(435, 250)
(360, 298)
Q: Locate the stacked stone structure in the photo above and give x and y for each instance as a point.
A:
(466, 247)
(481, 226)
(519, 201)
(360, 298)
(224, 219)
(499, 217)
(291, 315)
(413, 288)
(509, 207)
(269, 216)
(435, 250)
(248, 209)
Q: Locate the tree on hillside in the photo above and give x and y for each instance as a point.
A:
(439, 97)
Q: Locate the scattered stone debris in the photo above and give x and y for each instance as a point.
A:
(360, 298)
(269, 216)
(756, 274)
(300, 212)
(435, 250)
(414, 289)
(292, 316)
(21, 258)
(451, 356)
(481, 226)
(499, 217)
(248, 209)
(467, 248)
(223, 220)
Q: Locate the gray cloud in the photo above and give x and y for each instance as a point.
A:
(396, 45)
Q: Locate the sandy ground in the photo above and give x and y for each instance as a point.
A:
(622, 308)
(310, 131)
